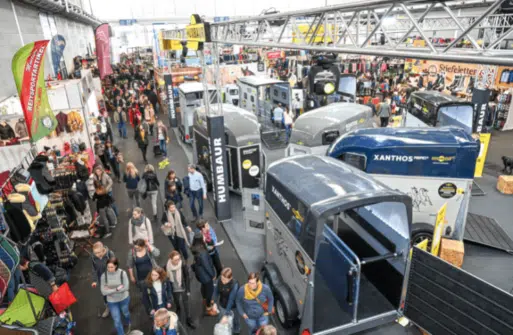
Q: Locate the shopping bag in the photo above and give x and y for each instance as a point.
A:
(142, 186)
(62, 299)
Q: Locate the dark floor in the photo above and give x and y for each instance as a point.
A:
(89, 299)
(501, 144)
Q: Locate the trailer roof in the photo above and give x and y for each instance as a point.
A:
(315, 179)
(436, 97)
(194, 87)
(260, 81)
(377, 138)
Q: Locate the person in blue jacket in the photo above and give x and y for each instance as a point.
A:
(255, 302)
(225, 293)
(205, 272)
(159, 292)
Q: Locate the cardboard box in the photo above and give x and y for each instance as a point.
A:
(505, 184)
(452, 251)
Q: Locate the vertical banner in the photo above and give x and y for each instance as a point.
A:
(481, 159)
(102, 39)
(438, 232)
(171, 111)
(480, 99)
(28, 72)
(217, 144)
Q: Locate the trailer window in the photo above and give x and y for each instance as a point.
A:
(356, 160)
(245, 96)
(252, 99)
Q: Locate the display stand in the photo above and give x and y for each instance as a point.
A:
(73, 99)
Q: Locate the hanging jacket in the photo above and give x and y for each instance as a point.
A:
(75, 121)
(6, 132)
(38, 170)
(21, 128)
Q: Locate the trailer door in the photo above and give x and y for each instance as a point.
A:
(443, 299)
(336, 283)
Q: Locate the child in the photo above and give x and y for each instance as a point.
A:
(101, 254)
(103, 206)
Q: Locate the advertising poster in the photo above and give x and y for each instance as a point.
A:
(250, 161)
(102, 40)
(168, 80)
(28, 72)
(458, 77)
(480, 98)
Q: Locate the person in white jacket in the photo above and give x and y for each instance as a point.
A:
(288, 120)
(139, 227)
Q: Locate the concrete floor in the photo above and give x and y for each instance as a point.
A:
(90, 301)
(501, 144)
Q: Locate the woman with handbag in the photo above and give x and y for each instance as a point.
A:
(178, 273)
(254, 301)
(176, 229)
(159, 291)
(103, 206)
(114, 285)
(131, 179)
(142, 138)
(205, 273)
(139, 227)
(225, 294)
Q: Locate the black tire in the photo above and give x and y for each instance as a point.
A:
(420, 232)
(271, 271)
(285, 305)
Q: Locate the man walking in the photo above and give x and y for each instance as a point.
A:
(197, 190)
(121, 119)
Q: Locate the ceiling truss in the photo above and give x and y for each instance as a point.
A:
(379, 28)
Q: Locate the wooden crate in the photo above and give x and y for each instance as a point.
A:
(505, 184)
(452, 251)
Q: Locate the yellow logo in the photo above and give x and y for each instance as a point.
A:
(300, 142)
(362, 120)
(246, 164)
(442, 159)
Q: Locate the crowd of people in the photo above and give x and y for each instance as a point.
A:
(192, 254)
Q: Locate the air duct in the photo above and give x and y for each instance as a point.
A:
(72, 11)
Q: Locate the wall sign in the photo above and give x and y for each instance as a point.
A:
(171, 111)
(197, 33)
(480, 98)
(217, 145)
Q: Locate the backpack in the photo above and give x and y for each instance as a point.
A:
(142, 186)
(120, 277)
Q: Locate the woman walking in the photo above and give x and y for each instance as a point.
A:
(172, 178)
(225, 293)
(205, 272)
(159, 291)
(175, 228)
(114, 285)
(141, 261)
(152, 187)
(131, 179)
(210, 238)
(173, 195)
(139, 227)
(162, 137)
(103, 206)
(141, 136)
(178, 274)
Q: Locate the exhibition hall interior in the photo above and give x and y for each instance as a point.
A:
(256, 167)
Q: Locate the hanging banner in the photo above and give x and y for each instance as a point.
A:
(217, 144)
(168, 80)
(58, 46)
(102, 39)
(480, 99)
(28, 72)
(481, 159)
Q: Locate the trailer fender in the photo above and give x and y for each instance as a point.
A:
(271, 275)
(286, 307)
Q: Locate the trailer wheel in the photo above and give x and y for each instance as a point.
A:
(421, 232)
(271, 276)
(286, 307)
